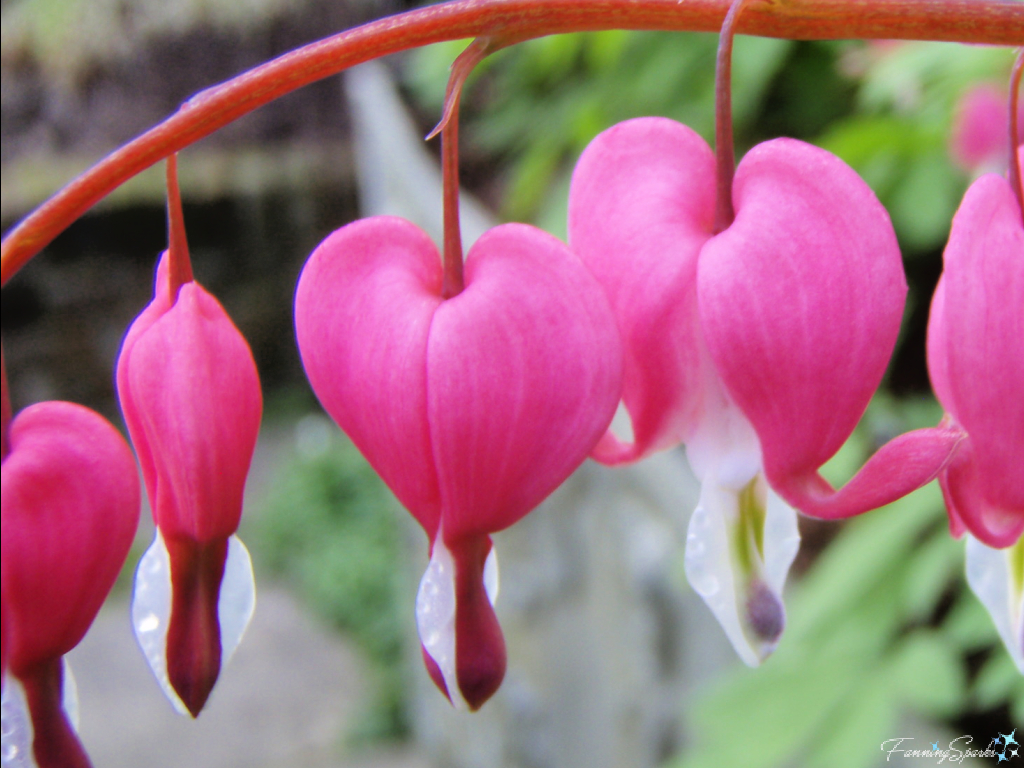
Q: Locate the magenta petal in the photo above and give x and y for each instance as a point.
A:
(70, 510)
(983, 321)
(963, 492)
(524, 371)
(363, 310)
(195, 410)
(154, 310)
(801, 300)
(900, 466)
(640, 208)
(976, 361)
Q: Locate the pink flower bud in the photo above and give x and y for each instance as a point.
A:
(191, 397)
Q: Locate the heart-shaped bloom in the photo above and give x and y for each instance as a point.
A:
(70, 510)
(976, 364)
(472, 409)
(759, 347)
(191, 398)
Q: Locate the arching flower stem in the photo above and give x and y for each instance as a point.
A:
(994, 22)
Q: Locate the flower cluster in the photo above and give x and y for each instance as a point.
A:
(747, 314)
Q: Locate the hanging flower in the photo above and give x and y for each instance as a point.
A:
(70, 510)
(976, 364)
(472, 408)
(191, 398)
(758, 346)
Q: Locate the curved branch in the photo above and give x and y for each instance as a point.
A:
(999, 22)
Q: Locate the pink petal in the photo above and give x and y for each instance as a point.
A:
(962, 488)
(801, 300)
(640, 208)
(524, 371)
(976, 362)
(937, 347)
(983, 322)
(70, 510)
(154, 310)
(195, 393)
(363, 310)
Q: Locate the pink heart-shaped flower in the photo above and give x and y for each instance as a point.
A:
(472, 409)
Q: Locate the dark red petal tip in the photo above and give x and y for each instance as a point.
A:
(193, 636)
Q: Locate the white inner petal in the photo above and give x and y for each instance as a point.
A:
(237, 601)
(741, 583)
(151, 607)
(781, 541)
(15, 727)
(990, 577)
(709, 567)
(435, 612)
(69, 695)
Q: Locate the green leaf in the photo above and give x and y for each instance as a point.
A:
(926, 673)
(861, 561)
(998, 681)
(929, 572)
(864, 720)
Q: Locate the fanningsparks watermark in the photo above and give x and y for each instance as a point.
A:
(1003, 747)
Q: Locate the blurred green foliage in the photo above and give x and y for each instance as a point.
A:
(330, 526)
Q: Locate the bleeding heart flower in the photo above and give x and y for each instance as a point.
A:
(191, 397)
(70, 510)
(472, 409)
(976, 364)
(759, 346)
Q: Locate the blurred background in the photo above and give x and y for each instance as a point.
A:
(613, 662)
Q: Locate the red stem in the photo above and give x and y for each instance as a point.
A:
(1015, 175)
(463, 65)
(452, 283)
(179, 264)
(993, 22)
(725, 154)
